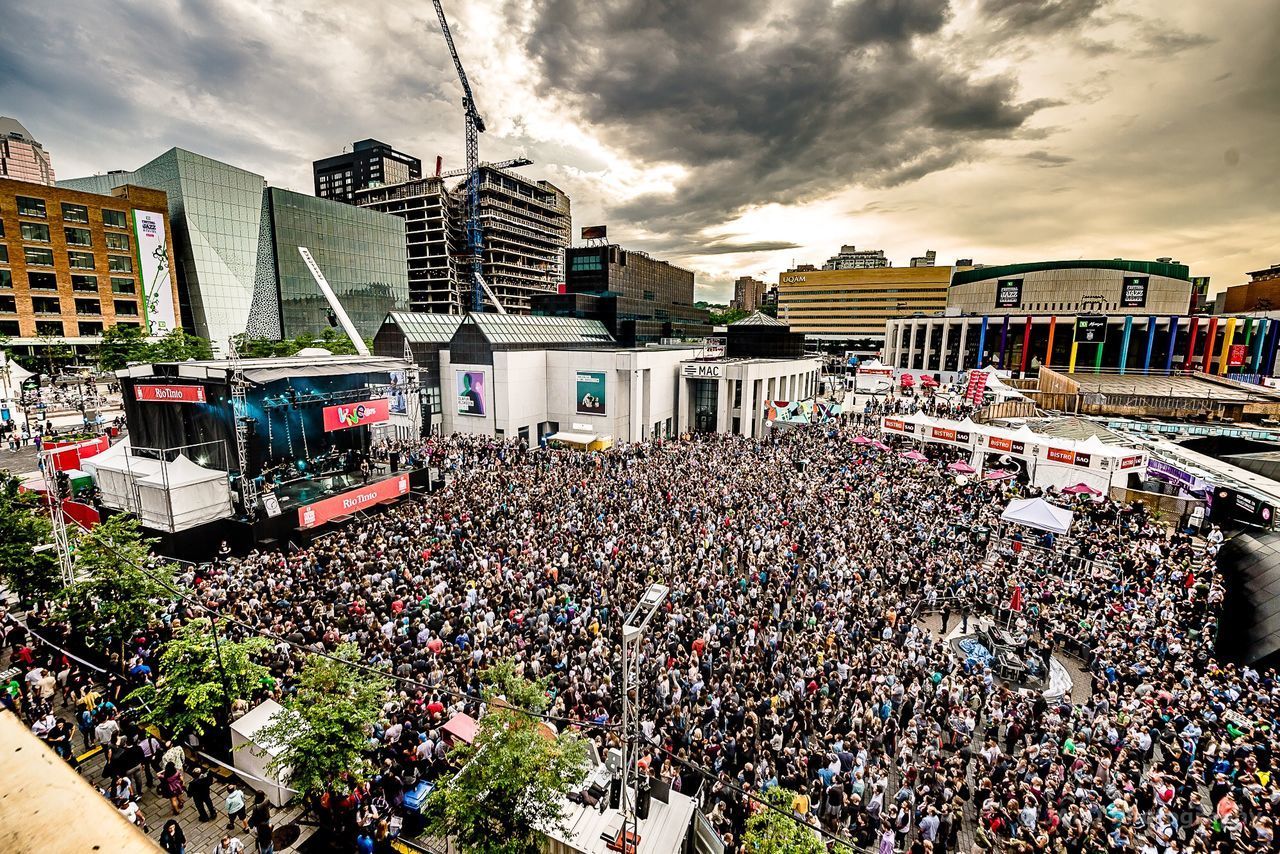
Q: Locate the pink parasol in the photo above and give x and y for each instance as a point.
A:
(915, 456)
(907, 380)
(961, 467)
(1082, 489)
(997, 474)
(881, 445)
(861, 440)
(925, 379)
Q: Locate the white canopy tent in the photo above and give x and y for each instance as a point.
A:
(1040, 514)
(251, 756)
(116, 472)
(182, 495)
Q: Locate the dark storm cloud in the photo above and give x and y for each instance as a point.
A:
(765, 102)
(1040, 17)
(1047, 160)
(729, 247)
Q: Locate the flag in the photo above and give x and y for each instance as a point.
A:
(1015, 601)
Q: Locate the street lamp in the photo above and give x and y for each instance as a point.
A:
(632, 631)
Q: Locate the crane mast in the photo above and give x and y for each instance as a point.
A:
(475, 126)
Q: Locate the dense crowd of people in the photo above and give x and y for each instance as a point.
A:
(792, 649)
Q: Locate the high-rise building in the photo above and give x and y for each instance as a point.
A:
(855, 304)
(21, 157)
(73, 264)
(526, 230)
(638, 298)
(925, 260)
(853, 258)
(747, 293)
(228, 261)
(369, 163)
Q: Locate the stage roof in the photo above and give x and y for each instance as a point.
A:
(261, 371)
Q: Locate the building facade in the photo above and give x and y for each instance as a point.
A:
(853, 258)
(854, 304)
(748, 293)
(73, 264)
(640, 299)
(928, 259)
(1155, 287)
(361, 253)
(369, 163)
(1260, 293)
(21, 157)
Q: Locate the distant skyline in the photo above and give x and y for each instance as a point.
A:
(733, 137)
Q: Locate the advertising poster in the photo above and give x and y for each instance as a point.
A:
(169, 393)
(1133, 293)
(152, 249)
(396, 394)
(1008, 293)
(1091, 330)
(347, 415)
(1237, 355)
(470, 392)
(589, 394)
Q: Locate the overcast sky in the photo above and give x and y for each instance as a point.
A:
(730, 136)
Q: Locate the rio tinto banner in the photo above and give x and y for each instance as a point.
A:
(347, 415)
(152, 248)
(169, 393)
(344, 503)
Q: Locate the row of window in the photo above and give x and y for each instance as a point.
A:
(53, 305)
(38, 232)
(33, 207)
(85, 328)
(39, 256)
(79, 282)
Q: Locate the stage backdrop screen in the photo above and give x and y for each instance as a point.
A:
(153, 270)
(589, 393)
(470, 392)
(347, 415)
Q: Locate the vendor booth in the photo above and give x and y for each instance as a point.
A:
(252, 757)
(1039, 514)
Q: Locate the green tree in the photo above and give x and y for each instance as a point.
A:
(178, 346)
(119, 587)
(773, 832)
(33, 575)
(727, 316)
(333, 340)
(122, 344)
(323, 730)
(199, 680)
(513, 777)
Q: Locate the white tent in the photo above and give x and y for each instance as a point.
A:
(17, 374)
(116, 471)
(252, 756)
(182, 495)
(1038, 513)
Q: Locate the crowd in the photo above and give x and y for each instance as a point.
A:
(792, 649)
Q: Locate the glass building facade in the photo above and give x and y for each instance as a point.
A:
(361, 253)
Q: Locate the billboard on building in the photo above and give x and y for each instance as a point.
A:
(1091, 330)
(470, 386)
(595, 232)
(1133, 293)
(589, 392)
(1008, 293)
(152, 251)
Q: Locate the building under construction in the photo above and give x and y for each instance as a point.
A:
(526, 230)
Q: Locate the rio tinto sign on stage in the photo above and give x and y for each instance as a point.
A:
(169, 393)
(347, 415)
(310, 515)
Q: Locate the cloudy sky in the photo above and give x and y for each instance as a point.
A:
(731, 136)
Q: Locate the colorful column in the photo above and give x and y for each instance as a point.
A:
(982, 342)
(1227, 338)
(1124, 343)
(1097, 358)
(1173, 342)
(1257, 335)
(1048, 350)
(1211, 337)
(1268, 364)
(1191, 343)
(1151, 339)
(1004, 342)
(1026, 345)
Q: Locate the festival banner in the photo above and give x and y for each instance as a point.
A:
(369, 495)
(1059, 455)
(169, 393)
(943, 433)
(589, 392)
(1131, 462)
(347, 415)
(470, 392)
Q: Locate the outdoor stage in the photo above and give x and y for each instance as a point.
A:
(281, 447)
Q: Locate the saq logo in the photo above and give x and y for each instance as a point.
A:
(308, 517)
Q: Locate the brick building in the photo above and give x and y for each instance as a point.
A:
(73, 264)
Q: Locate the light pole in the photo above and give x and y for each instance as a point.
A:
(632, 632)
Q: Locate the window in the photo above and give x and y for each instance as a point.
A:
(78, 237)
(6, 279)
(49, 327)
(10, 328)
(119, 264)
(38, 257)
(8, 304)
(42, 281)
(84, 284)
(1, 228)
(4, 252)
(88, 306)
(122, 286)
(114, 219)
(80, 260)
(37, 231)
(30, 207)
(117, 241)
(46, 305)
(75, 213)
(126, 308)
(90, 329)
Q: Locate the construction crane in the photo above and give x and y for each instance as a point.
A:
(503, 164)
(475, 127)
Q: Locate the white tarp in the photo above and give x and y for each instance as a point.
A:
(1038, 513)
(252, 756)
(182, 495)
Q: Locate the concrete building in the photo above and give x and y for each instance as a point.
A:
(369, 163)
(928, 259)
(748, 293)
(21, 157)
(1260, 293)
(854, 304)
(527, 226)
(853, 258)
(73, 264)
(639, 299)
(1153, 287)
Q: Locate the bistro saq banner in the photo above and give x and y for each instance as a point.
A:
(470, 392)
(589, 392)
